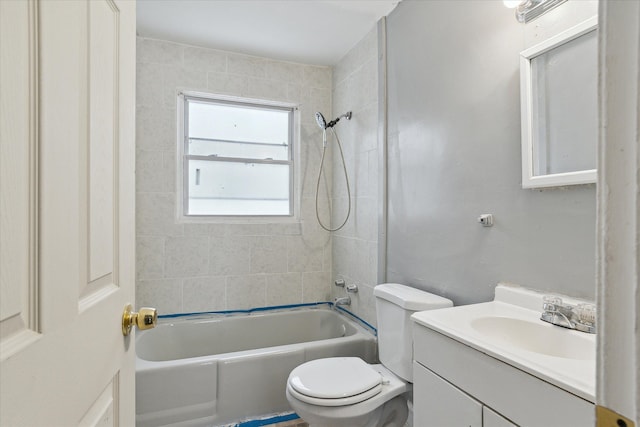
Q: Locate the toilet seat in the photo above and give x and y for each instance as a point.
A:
(336, 381)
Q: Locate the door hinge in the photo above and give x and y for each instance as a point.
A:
(605, 417)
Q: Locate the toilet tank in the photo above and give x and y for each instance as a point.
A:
(395, 304)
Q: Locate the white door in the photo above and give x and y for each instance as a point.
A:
(67, 107)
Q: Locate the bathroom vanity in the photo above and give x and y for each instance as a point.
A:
(497, 364)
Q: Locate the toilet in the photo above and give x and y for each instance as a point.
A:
(347, 391)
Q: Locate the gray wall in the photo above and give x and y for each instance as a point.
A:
(454, 153)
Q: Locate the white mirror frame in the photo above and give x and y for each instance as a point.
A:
(529, 180)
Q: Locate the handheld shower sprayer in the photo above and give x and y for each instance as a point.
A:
(322, 123)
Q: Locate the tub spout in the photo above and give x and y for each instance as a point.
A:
(342, 301)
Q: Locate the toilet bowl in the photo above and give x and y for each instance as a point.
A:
(348, 392)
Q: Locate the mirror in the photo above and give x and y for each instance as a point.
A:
(558, 79)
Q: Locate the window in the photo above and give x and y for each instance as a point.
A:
(237, 157)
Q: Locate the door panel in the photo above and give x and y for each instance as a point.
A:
(102, 412)
(77, 273)
(18, 177)
(100, 175)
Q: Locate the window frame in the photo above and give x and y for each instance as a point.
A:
(182, 160)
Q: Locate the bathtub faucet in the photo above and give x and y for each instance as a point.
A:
(342, 301)
(352, 288)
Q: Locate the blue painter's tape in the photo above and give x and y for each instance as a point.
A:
(269, 421)
(274, 307)
(359, 319)
(248, 311)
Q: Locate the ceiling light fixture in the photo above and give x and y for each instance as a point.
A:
(528, 10)
(512, 4)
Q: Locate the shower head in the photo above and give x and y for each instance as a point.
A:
(323, 123)
(320, 120)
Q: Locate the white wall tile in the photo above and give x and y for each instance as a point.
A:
(158, 52)
(149, 171)
(308, 213)
(164, 294)
(246, 65)
(285, 71)
(155, 127)
(267, 89)
(230, 255)
(245, 292)
(283, 229)
(205, 229)
(276, 252)
(320, 100)
(284, 289)
(338, 214)
(156, 215)
(149, 257)
(315, 286)
(197, 58)
(149, 84)
(366, 219)
(177, 78)
(245, 229)
(317, 77)
(186, 256)
(204, 294)
(269, 254)
(169, 171)
(343, 256)
(364, 303)
(354, 248)
(357, 56)
(297, 92)
(304, 254)
(228, 84)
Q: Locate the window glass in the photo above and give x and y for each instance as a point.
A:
(237, 158)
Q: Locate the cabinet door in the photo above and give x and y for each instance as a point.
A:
(436, 403)
(493, 419)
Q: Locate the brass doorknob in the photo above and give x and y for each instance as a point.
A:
(145, 318)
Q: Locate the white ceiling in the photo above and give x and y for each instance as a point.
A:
(317, 32)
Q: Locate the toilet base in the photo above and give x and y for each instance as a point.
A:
(394, 413)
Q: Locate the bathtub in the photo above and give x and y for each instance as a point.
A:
(214, 369)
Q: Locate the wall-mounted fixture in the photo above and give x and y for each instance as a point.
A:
(528, 10)
(486, 220)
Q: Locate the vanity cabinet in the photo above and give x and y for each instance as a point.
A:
(443, 404)
(457, 385)
(493, 419)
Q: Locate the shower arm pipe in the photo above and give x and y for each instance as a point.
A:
(335, 121)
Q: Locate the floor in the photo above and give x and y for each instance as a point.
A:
(292, 423)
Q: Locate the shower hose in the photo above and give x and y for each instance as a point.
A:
(346, 178)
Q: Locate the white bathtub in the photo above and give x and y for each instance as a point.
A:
(205, 370)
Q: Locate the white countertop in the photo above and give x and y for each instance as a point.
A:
(575, 373)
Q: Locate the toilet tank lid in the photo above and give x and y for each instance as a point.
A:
(410, 298)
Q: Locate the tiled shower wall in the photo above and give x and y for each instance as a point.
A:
(187, 267)
(355, 247)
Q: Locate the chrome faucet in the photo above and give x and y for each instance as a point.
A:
(581, 317)
(342, 301)
(352, 288)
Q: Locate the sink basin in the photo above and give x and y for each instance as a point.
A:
(535, 337)
(509, 329)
